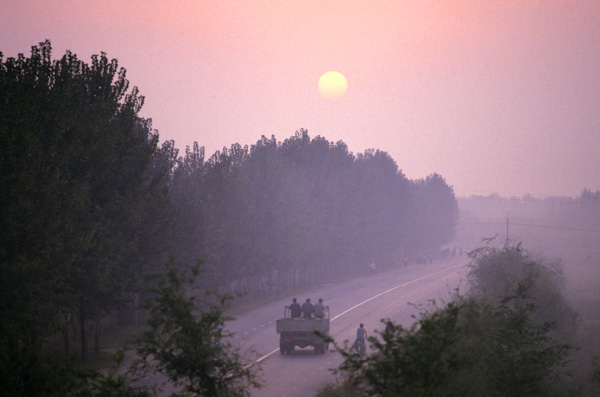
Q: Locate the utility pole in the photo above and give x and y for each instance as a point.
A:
(506, 230)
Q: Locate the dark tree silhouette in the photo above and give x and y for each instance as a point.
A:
(84, 194)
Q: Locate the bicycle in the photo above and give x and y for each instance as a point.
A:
(359, 347)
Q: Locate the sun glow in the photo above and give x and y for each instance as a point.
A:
(333, 85)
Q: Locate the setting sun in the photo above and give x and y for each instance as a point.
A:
(333, 85)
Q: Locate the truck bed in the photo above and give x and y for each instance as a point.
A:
(302, 325)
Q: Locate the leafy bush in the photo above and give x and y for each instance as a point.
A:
(498, 341)
(38, 374)
(499, 272)
(467, 348)
(185, 340)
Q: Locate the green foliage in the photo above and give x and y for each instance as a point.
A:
(498, 272)
(183, 342)
(83, 195)
(467, 348)
(37, 374)
(343, 387)
(499, 341)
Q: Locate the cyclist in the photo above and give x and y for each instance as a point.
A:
(361, 337)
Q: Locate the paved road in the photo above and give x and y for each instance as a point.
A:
(392, 294)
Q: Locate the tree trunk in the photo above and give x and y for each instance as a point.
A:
(279, 280)
(75, 329)
(137, 308)
(97, 337)
(269, 280)
(66, 340)
(83, 334)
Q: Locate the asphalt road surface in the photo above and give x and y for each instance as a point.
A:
(396, 294)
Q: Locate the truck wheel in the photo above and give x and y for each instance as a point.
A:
(282, 348)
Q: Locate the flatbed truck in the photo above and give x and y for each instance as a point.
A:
(302, 332)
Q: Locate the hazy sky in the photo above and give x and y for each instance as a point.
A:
(496, 96)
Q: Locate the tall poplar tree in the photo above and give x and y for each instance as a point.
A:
(83, 194)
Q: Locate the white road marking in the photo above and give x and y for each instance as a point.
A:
(390, 290)
(262, 358)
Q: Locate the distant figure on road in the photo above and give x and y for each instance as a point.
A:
(319, 309)
(372, 267)
(295, 309)
(308, 309)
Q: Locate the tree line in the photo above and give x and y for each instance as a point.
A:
(303, 211)
(583, 210)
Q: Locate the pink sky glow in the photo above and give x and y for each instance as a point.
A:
(496, 96)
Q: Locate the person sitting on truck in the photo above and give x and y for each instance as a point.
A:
(295, 309)
(308, 309)
(319, 309)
